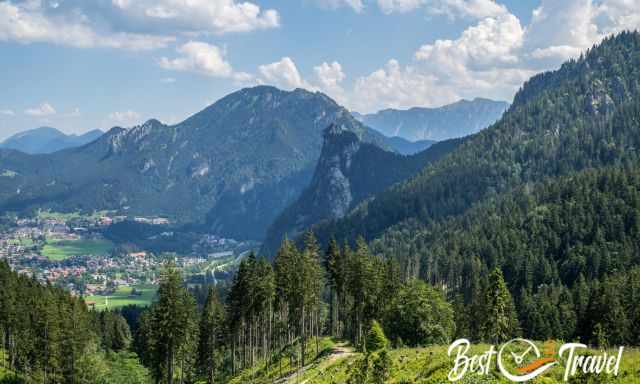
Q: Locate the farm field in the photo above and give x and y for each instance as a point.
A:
(122, 297)
(61, 249)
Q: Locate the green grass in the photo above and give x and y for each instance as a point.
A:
(64, 216)
(122, 297)
(280, 365)
(61, 249)
(429, 365)
(24, 241)
(8, 173)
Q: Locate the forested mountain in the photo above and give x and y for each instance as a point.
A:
(236, 164)
(549, 197)
(47, 140)
(584, 115)
(565, 246)
(348, 172)
(459, 119)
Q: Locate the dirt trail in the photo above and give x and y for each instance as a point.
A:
(339, 351)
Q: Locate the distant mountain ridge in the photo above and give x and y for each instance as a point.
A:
(47, 140)
(459, 119)
(231, 168)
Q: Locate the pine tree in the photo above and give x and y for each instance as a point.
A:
(171, 329)
(210, 346)
(501, 322)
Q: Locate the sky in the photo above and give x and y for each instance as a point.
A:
(79, 65)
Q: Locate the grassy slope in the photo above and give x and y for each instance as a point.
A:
(420, 365)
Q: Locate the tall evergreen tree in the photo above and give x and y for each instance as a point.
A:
(210, 346)
(501, 321)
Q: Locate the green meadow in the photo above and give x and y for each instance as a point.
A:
(123, 297)
(61, 249)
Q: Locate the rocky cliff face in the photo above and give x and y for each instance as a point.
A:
(348, 172)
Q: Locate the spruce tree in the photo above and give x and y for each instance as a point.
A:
(210, 346)
(501, 322)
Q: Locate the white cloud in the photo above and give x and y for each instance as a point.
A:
(28, 23)
(468, 8)
(126, 118)
(203, 58)
(492, 41)
(126, 24)
(356, 5)
(451, 8)
(397, 87)
(390, 6)
(493, 57)
(329, 75)
(283, 73)
(329, 78)
(201, 16)
(7, 112)
(44, 109)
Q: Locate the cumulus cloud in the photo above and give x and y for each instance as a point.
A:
(492, 41)
(495, 55)
(44, 109)
(396, 87)
(126, 118)
(29, 23)
(283, 73)
(200, 16)
(329, 75)
(203, 58)
(329, 78)
(126, 24)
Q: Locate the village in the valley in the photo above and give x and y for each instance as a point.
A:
(71, 251)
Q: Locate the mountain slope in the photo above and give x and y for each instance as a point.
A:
(348, 172)
(233, 166)
(584, 115)
(47, 140)
(459, 119)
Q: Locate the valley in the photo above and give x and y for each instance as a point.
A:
(72, 252)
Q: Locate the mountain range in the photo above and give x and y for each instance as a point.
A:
(232, 168)
(47, 140)
(459, 119)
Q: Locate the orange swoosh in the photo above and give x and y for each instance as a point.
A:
(535, 364)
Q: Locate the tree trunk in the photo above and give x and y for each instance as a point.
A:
(302, 337)
(170, 364)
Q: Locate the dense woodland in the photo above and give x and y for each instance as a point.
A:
(49, 336)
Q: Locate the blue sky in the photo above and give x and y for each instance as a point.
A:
(78, 65)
